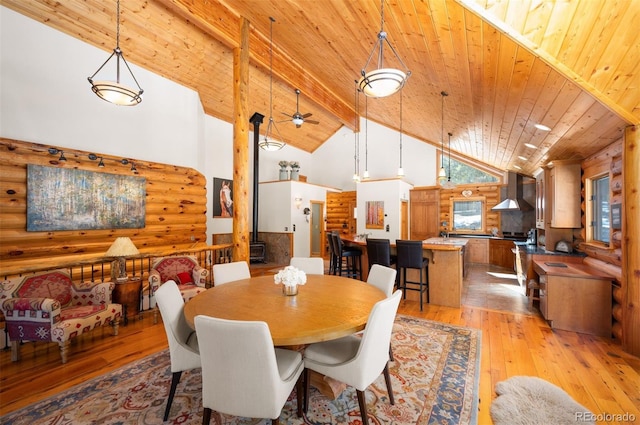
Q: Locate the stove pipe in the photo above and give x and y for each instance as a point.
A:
(256, 120)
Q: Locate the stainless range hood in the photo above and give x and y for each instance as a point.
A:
(514, 200)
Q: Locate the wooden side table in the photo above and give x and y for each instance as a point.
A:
(128, 295)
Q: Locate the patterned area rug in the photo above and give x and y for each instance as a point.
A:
(434, 377)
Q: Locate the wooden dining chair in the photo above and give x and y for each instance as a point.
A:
(242, 373)
(357, 361)
(228, 272)
(183, 341)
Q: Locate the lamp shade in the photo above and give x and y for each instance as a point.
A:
(382, 82)
(116, 93)
(122, 247)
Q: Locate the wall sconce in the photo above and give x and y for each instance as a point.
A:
(93, 157)
(54, 151)
(298, 202)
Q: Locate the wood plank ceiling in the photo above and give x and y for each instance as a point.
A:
(506, 64)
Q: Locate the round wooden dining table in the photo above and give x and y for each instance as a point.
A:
(326, 307)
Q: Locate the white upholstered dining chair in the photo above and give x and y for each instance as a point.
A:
(183, 341)
(309, 265)
(357, 361)
(383, 278)
(228, 272)
(242, 373)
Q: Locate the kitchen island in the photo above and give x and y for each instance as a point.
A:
(446, 267)
(575, 297)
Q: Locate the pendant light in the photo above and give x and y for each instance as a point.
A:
(381, 81)
(400, 169)
(365, 174)
(114, 91)
(269, 143)
(449, 184)
(442, 175)
(356, 140)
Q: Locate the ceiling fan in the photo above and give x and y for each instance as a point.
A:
(297, 118)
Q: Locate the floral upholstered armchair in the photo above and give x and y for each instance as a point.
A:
(51, 307)
(184, 270)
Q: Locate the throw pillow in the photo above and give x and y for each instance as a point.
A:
(184, 278)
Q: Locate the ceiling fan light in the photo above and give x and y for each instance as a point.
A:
(298, 120)
(382, 82)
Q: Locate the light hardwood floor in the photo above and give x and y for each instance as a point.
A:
(515, 341)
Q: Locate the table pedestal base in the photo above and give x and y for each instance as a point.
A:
(329, 387)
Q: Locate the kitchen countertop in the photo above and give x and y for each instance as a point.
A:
(536, 250)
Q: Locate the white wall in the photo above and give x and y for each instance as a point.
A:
(391, 192)
(277, 211)
(333, 162)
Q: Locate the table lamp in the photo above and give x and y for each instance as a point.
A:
(121, 248)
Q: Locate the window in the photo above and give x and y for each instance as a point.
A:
(599, 211)
(468, 214)
(462, 173)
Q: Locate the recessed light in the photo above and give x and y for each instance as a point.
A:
(517, 167)
(523, 158)
(542, 127)
(529, 145)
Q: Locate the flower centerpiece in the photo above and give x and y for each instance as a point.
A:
(295, 170)
(290, 278)
(284, 173)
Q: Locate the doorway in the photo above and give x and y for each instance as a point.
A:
(317, 229)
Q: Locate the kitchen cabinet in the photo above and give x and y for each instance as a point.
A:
(558, 203)
(540, 201)
(501, 253)
(477, 251)
(424, 214)
(589, 291)
(565, 186)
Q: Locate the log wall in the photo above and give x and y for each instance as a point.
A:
(340, 207)
(491, 193)
(176, 207)
(606, 258)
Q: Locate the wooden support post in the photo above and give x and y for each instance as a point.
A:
(631, 242)
(241, 183)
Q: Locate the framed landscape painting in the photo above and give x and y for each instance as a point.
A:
(71, 199)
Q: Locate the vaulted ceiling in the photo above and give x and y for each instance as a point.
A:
(506, 65)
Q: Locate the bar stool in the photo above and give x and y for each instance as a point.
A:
(410, 257)
(332, 253)
(379, 252)
(350, 254)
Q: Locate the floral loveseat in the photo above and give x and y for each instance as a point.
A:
(184, 270)
(51, 307)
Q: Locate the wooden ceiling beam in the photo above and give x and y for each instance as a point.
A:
(218, 21)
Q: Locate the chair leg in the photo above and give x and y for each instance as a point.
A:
(391, 354)
(362, 402)
(306, 390)
(64, 350)
(387, 379)
(420, 290)
(206, 416)
(175, 379)
(275, 421)
(300, 393)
